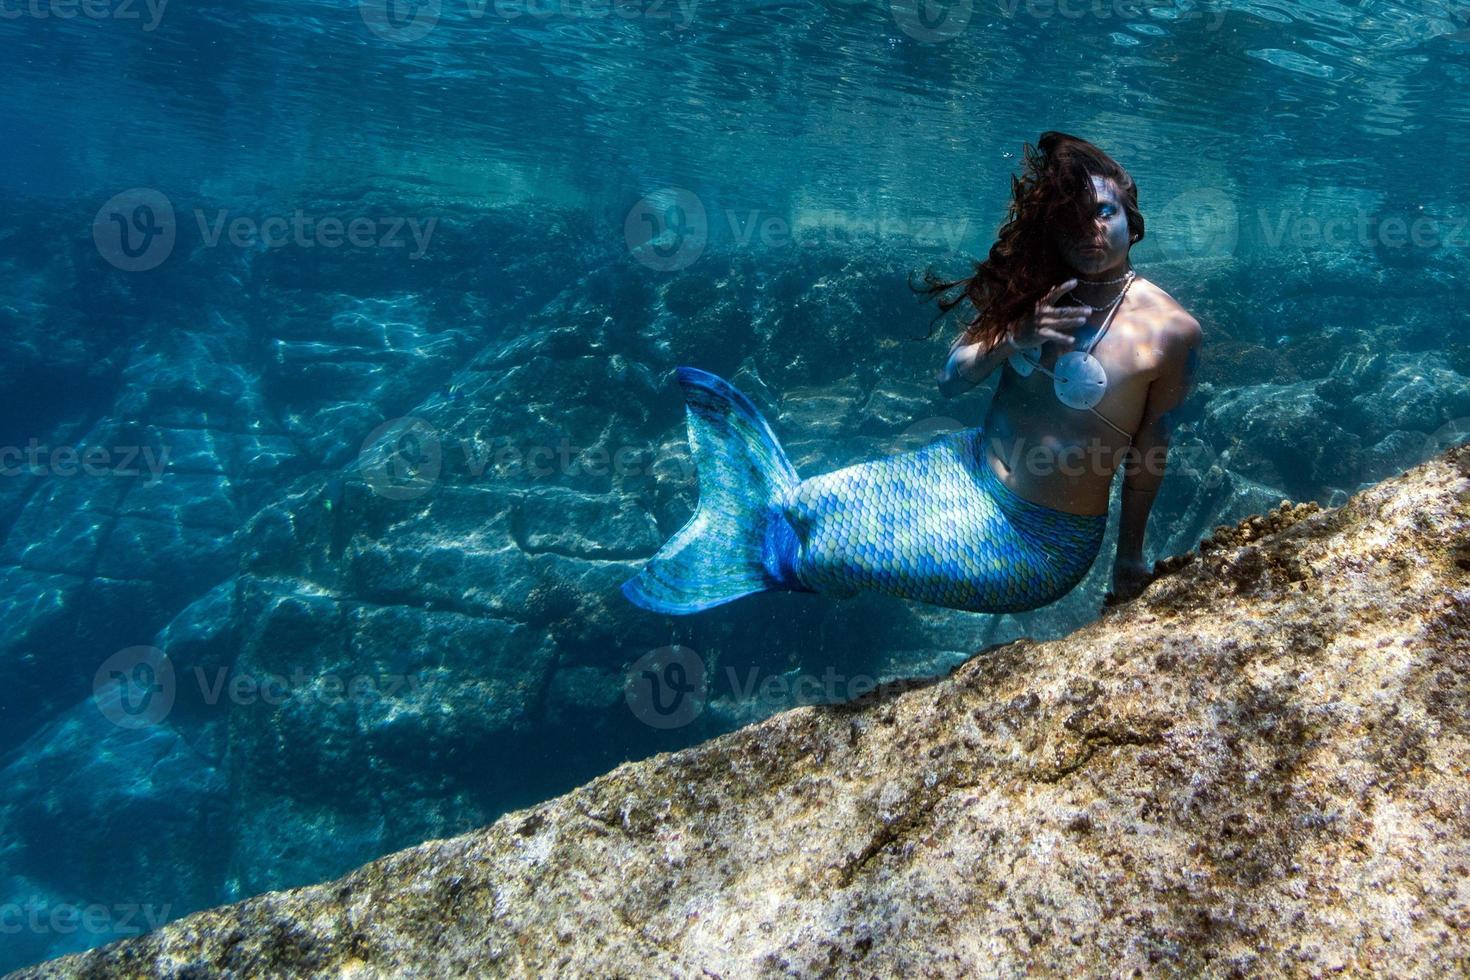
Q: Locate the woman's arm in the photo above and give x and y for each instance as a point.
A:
(968, 366)
(1144, 469)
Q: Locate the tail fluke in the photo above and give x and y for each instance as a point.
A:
(739, 540)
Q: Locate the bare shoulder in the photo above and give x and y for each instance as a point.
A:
(1175, 328)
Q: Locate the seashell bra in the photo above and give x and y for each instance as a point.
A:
(1078, 378)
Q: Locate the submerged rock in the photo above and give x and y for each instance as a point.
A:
(1259, 765)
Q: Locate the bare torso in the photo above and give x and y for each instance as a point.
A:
(1065, 458)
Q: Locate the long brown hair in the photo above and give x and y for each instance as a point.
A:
(1052, 198)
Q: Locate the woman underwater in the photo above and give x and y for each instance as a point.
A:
(1005, 517)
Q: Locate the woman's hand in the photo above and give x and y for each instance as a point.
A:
(1130, 578)
(957, 374)
(1049, 322)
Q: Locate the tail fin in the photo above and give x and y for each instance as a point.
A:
(739, 540)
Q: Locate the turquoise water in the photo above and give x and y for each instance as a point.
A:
(336, 347)
(884, 111)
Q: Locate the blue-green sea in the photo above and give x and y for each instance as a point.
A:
(338, 342)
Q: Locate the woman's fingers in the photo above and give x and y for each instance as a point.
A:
(1057, 292)
(1063, 322)
(1045, 315)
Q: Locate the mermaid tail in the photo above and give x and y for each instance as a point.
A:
(738, 540)
(933, 524)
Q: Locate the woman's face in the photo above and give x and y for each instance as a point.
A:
(1104, 246)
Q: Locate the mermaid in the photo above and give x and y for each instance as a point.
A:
(1007, 516)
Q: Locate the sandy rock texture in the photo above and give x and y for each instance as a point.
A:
(1262, 765)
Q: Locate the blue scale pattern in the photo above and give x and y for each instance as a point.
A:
(933, 524)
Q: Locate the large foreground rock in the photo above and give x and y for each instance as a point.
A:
(1261, 765)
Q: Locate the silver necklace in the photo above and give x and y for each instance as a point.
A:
(1107, 282)
(1130, 275)
(1105, 307)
